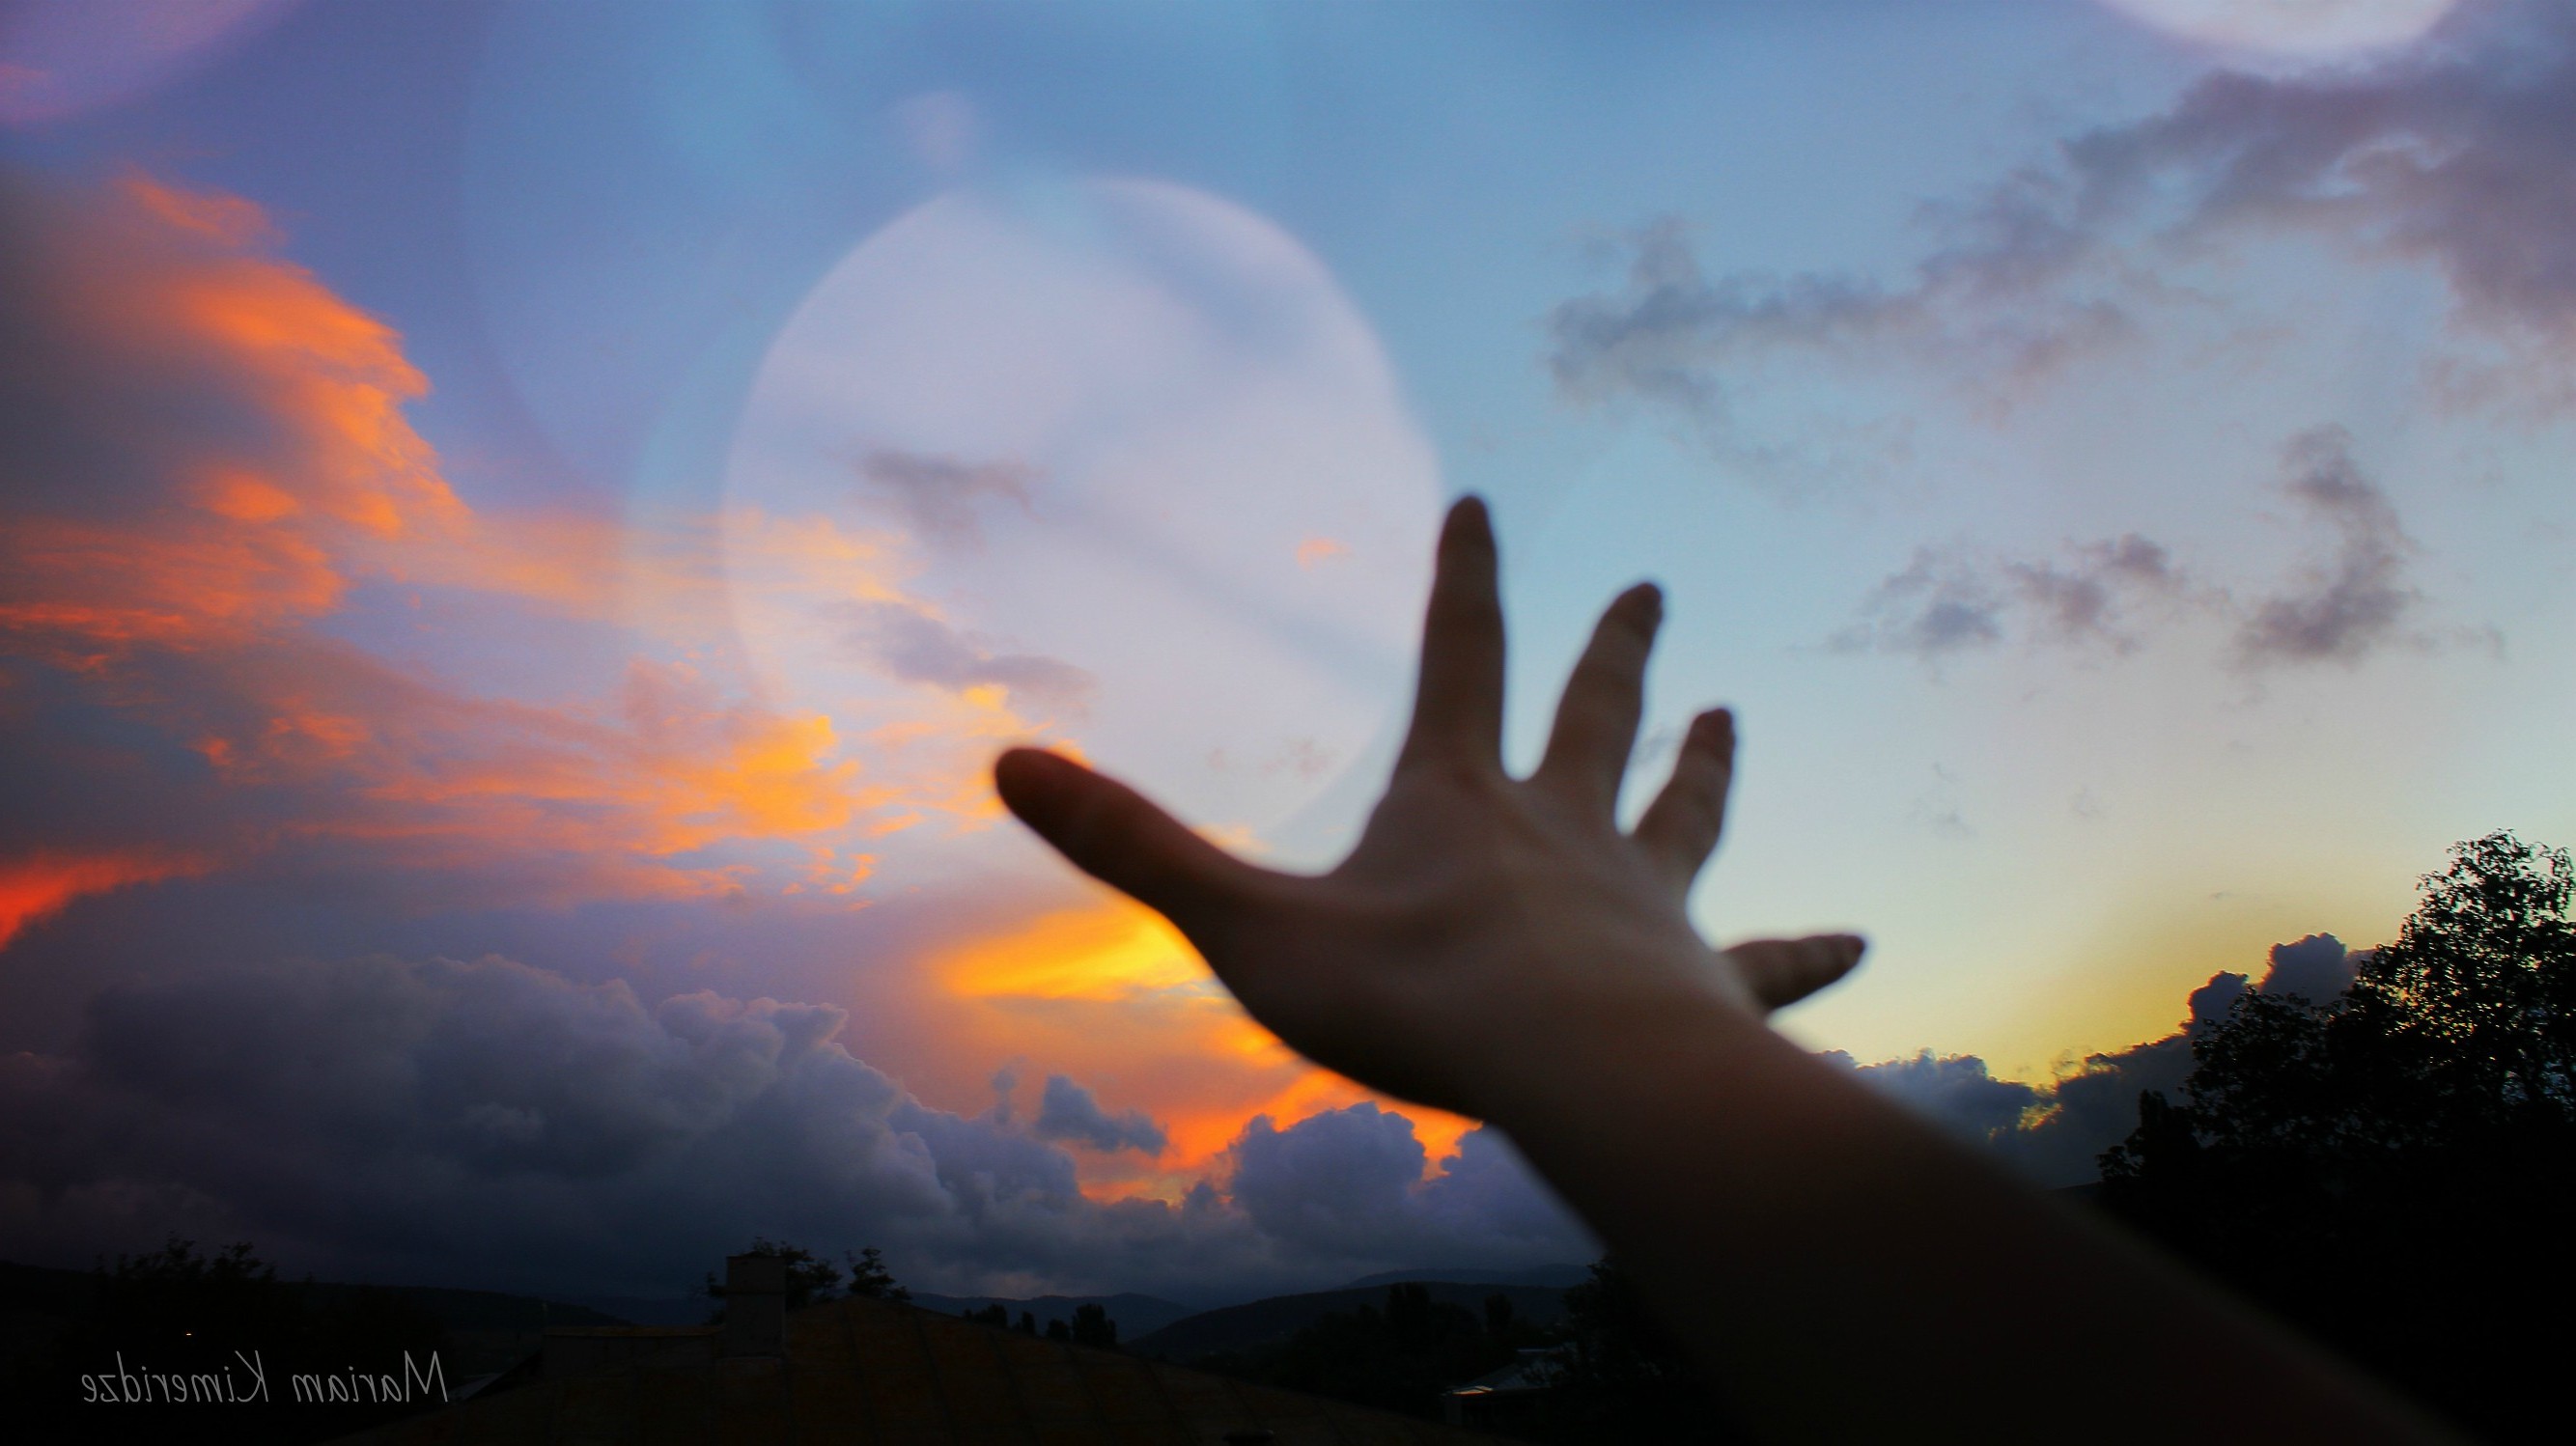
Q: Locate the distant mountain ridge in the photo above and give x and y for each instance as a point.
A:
(1137, 1315)
(53, 1290)
(1561, 1275)
(1263, 1322)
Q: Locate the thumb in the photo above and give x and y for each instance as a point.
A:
(1122, 838)
(1780, 972)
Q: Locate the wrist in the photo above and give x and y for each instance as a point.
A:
(1617, 1050)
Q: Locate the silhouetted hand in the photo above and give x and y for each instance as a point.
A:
(1481, 917)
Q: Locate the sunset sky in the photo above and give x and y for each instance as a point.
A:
(522, 527)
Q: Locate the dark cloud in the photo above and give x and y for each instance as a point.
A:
(2453, 155)
(1329, 1181)
(1948, 601)
(1351, 1180)
(940, 498)
(1955, 1090)
(2349, 605)
(384, 1119)
(915, 645)
(2317, 968)
(2054, 1135)
(1067, 1111)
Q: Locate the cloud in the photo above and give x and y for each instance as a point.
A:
(1315, 552)
(43, 883)
(2081, 602)
(940, 498)
(915, 645)
(2353, 603)
(1067, 1111)
(1331, 1181)
(1347, 1183)
(2005, 299)
(2344, 607)
(2451, 156)
(242, 602)
(2055, 1134)
(1949, 601)
(384, 1118)
(211, 435)
(59, 60)
(2317, 968)
(1955, 1090)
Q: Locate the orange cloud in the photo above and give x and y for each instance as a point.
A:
(1314, 552)
(39, 885)
(168, 293)
(226, 463)
(1112, 990)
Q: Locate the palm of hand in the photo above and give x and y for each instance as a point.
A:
(1479, 914)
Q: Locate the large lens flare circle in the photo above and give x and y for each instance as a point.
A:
(2292, 29)
(1111, 461)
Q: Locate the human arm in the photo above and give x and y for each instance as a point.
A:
(1501, 948)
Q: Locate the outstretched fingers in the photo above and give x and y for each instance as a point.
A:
(1458, 705)
(1780, 972)
(1125, 840)
(1680, 828)
(1596, 720)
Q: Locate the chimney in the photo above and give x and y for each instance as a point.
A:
(755, 1305)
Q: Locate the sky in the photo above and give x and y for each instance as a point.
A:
(522, 527)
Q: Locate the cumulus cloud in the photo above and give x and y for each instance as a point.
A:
(1950, 600)
(1067, 1111)
(2317, 968)
(2451, 155)
(1955, 1090)
(1329, 1181)
(2347, 606)
(2055, 1134)
(1350, 1181)
(384, 1118)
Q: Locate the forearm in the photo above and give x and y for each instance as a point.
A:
(1847, 1273)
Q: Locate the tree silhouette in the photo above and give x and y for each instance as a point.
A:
(2391, 1168)
(1619, 1341)
(1093, 1327)
(870, 1279)
(812, 1280)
